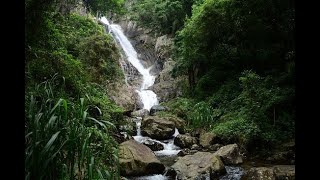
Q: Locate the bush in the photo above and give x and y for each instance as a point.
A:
(62, 140)
(100, 57)
(66, 138)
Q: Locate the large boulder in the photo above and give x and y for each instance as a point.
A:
(185, 141)
(140, 113)
(207, 139)
(198, 165)
(137, 159)
(126, 99)
(157, 127)
(178, 122)
(230, 154)
(154, 146)
(156, 108)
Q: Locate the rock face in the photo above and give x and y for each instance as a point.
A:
(157, 128)
(137, 159)
(143, 41)
(165, 86)
(163, 46)
(156, 108)
(207, 139)
(140, 113)
(230, 154)
(196, 165)
(185, 141)
(126, 99)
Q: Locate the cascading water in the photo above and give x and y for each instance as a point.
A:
(148, 99)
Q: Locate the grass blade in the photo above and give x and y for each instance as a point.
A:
(50, 142)
(100, 123)
(55, 106)
(109, 123)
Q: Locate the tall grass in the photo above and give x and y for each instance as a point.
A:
(62, 141)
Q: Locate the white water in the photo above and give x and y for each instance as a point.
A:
(169, 149)
(148, 97)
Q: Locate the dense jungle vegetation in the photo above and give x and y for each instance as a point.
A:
(239, 57)
(69, 119)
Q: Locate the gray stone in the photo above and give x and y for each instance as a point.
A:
(230, 154)
(137, 159)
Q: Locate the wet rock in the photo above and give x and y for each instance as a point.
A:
(137, 159)
(128, 125)
(196, 165)
(171, 173)
(178, 122)
(207, 139)
(195, 147)
(185, 141)
(157, 128)
(156, 108)
(140, 113)
(230, 154)
(215, 147)
(154, 146)
(184, 152)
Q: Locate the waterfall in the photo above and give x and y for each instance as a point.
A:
(148, 97)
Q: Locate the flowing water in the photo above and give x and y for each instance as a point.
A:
(149, 99)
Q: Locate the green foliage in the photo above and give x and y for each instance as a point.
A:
(163, 16)
(237, 129)
(254, 109)
(61, 140)
(103, 6)
(67, 138)
(100, 56)
(218, 44)
(197, 114)
(225, 37)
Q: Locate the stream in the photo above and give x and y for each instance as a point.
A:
(148, 98)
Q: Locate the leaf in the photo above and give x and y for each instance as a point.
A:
(51, 121)
(50, 142)
(100, 123)
(109, 123)
(100, 174)
(55, 106)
